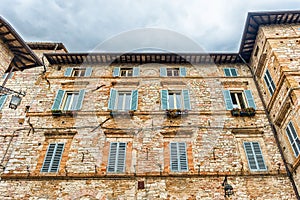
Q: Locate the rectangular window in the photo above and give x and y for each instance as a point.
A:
(53, 157)
(230, 72)
(269, 82)
(293, 138)
(172, 71)
(68, 100)
(254, 155)
(178, 157)
(78, 72)
(169, 71)
(175, 100)
(238, 99)
(123, 100)
(117, 157)
(126, 71)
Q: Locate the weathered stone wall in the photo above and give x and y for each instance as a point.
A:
(6, 57)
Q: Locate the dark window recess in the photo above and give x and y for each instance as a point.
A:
(256, 51)
(141, 185)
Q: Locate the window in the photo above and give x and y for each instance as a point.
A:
(117, 157)
(293, 138)
(256, 51)
(53, 157)
(175, 100)
(269, 82)
(230, 72)
(178, 158)
(6, 75)
(78, 72)
(238, 99)
(123, 100)
(254, 155)
(68, 100)
(181, 71)
(126, 71)
(2, 100)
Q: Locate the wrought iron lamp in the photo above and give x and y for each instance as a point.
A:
(15, 101)
(228, 189)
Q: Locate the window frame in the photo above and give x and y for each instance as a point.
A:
(126, 72)
(49, 168)
(184, 99)
(238, 99)
(176, 159)
(292, 134)
(269, 82)
(247, 96)
(175, 72)
(84, 71)
(61, 97)
(71, 104)
(116, 162)
(81, 72)
(230, 70)
(256, 154)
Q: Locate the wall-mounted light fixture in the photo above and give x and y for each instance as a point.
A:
(15, 98)
(228, 189)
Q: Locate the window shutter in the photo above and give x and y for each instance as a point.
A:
(80, 99)
(250, 99)
(53, 157)
(254, 156)
(68, 71)
(182, 156)
(117, 157)
(121, 157)
(112, 99)
(57, 157)
(163, 71)
(48, 158)
(227, 72)
(136, 71)
(88, 71)
(6, 74)
(259, 157)
(134, 100)
(182, 71)
(164, 96)
(58, 100)
(228, 100)
(174, 157)
(186, 99)
(250, 156)
(233, 72)
(2, 101)
(116, 71)
(112, 157)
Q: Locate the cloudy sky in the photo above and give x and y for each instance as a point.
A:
(216, 25)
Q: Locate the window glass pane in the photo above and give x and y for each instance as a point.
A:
(120, 101)
(176, 72)
(169, 72)
(171, 101)
(67, 102)
(241, 100)
(127, 101)
(178, 100)
(233, 98)
(74, 102)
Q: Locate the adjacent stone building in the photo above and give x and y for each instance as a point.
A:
(147, 125)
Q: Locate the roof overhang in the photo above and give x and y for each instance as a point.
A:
(256, 19)
(55, 46)
(24, 57)
(141, 58)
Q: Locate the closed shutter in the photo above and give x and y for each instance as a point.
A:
(80, 100)
(254, 156)
(53, 157)
(117, 155)
(68, 71)
(2, 101)
(58, 100)
(164, 99)
(88, 71)
(227, 72)
(163, 71)
(186, 99)
(134, 100)
(228, 100)
(250, 99)
(112, 99)
(182, 71)
(116, 71)
(136, 71)
(233, 72)
(178, 156)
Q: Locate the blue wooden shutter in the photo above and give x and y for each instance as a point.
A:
(117, 157)
(254, 156)
(136, 71)
(116, 71)
(53, 157)
(174, 164)
(57, 157)
(80, 100)
(112, 99)
(88, 71)
(228, 100)
(250, 99)
(227, 72)
(58, 100)
(134, 100)
(48, 158)
(259, 157)
(112, 157)
(164, 96)
(2, 101)
(163, 71)
(186, 99)
(178, 156)
(68, 71)
(121, 157)
(233, 72)
(6, 74)
(183, 164)
(182, 71)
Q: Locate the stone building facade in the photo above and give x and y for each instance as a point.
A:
(153, 125)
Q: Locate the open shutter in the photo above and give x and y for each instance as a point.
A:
(182, 156)
(116, 71)
(250, 99)
(186, 99)
(57, 157)
(112, 99)
(233, 72)
(228, 100)
(134, 100)
(259, 157)
(174, 164)
(68, 71)
(136, 71)
(58, 100)
(2, 101)
(164, 99)
(163, 71)
(88, 71)
(80, 100)
(121, 157)
(227, 72)
(182, 71)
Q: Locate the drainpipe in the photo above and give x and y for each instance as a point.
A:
(289, 173)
